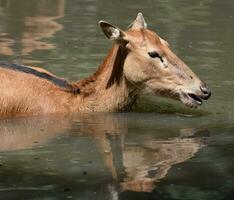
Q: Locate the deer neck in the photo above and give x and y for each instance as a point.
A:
(108, 89)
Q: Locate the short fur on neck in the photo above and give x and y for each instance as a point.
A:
(114, 61)
(117, 68)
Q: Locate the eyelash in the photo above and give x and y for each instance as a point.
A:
(154, 54)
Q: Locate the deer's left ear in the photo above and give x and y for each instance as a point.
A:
(112, 32)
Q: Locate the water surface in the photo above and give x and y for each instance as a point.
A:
(162, 150)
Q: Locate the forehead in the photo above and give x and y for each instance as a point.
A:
(143, 36)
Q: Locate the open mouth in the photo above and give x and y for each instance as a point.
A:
(191, 100)
(195, 98)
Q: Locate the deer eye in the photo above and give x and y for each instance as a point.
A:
(154, 54)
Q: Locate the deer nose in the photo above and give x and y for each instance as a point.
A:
(206, 91)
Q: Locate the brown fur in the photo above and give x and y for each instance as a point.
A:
(114, 61)
(117, 70)
(26, 94)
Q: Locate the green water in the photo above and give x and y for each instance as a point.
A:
(162, 150)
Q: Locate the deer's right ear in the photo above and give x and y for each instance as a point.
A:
(112, 32)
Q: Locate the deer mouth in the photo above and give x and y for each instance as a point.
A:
(191, 100)
(195, 98)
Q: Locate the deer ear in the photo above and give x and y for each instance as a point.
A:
(111, 32)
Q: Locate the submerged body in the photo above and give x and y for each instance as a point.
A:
(139, 60)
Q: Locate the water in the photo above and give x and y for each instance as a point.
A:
(162, 150)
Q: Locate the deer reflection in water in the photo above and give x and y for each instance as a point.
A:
(143, 164)
(148, 164)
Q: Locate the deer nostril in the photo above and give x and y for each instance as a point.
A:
(206, 91)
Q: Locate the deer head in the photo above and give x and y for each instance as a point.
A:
(151, 65)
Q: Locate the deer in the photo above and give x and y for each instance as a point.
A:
(139, 61)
